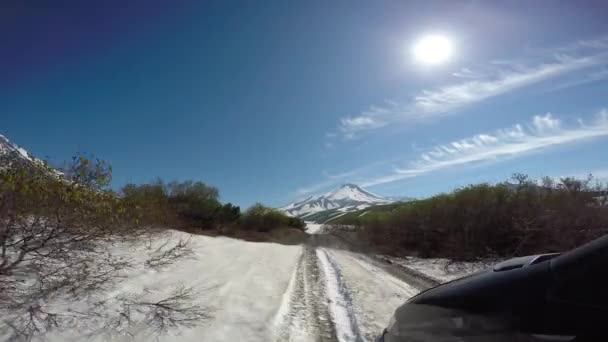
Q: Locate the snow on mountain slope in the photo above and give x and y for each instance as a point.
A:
(354, 193)
(13, 155)
(348, 197)
(7, 147)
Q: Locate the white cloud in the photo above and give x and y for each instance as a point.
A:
(495, 80)
(598, 43)
(351, 125)
(315, 188)
(333, 179)
(445, 99)
(545, 123)
(467, 73)
(595, 76)
(543, 132)
(372, 118)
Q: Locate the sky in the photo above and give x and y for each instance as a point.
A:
(278, 100)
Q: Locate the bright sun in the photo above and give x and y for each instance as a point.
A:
(432, 49)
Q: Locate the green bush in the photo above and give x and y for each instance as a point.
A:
(149, 204)
(43, 212)
(180, 204)
(263, 219)
(229, 213)
(492, 220)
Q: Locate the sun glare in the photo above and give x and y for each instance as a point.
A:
(432, 50)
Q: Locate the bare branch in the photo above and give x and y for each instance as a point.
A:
(174, 311)
(162, 256)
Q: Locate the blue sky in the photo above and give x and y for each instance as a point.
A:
(273, 101)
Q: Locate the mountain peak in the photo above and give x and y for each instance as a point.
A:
(349, 185)
(11, 154)
(348, 197)
(8, 147)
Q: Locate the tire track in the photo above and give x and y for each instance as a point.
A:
(304, 315)
(374, 293)
(338, 296)
(341, 304)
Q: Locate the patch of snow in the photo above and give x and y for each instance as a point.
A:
(286, 303)
(340, 304)
(313, 228)
(375, 293)
(242, 283)
(23, 153)
(354, 193)
(7, 146)
(338, 215)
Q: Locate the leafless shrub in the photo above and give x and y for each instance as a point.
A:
(173, 311)
(36, 322)
(165, 256)
(55, 234)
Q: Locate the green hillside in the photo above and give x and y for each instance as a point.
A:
(357, 217)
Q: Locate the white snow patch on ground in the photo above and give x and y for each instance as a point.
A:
(375, 293)
(313, 228)
(283, 311)
(443, 270)
(340, 303)
(298, 331)
(242, 283)
(252, 292)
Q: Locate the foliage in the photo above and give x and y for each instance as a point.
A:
(263, 219)
(50, 227)
(149, 204)
(89, 172)
(39, 211)
(179, 204)
(507, 219)
(54, 232)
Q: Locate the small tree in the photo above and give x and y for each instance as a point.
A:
(229, 213)
(49, 229)
(54, 231)
(261, 218)
(195, 203)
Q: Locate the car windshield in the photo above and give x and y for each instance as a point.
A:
(297, 171)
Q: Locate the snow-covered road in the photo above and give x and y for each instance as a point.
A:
(337, 295)
(371, 292)
(265, 292)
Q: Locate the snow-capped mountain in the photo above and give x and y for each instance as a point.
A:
(7, 147)
(11, 154)
(349, 197)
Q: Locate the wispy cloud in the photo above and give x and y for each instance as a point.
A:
(543, 131)
(332, 179)
(375, 117)
(315, 188)
(445, 99)
(595, 76)
(540, 133)
(495, 79)
(468, 73)
(583, 44)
